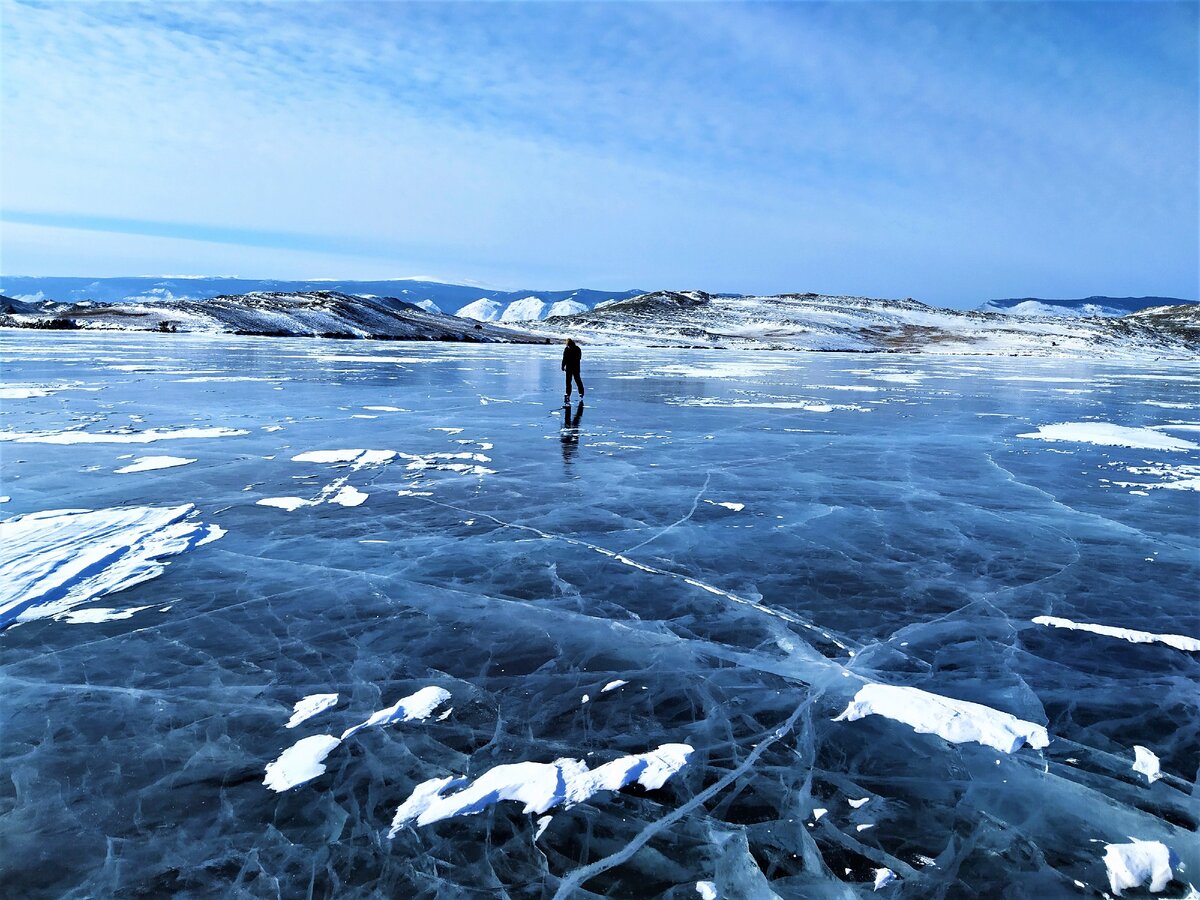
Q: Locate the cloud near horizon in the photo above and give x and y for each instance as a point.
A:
(946, 152)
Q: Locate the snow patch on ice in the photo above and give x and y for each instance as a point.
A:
(119, 437)
(806, 406)
(151, 463)
(1131, 865)
(1146, 762)
(539, 786)
(884, 877)
(348, 495)
(707, 890)
(98, 614)
(301, 762)
(613, 685)
(1108, 435)
(1178, 641)
(413, 708)
(1178, 477)
(309, 706)
(957, 721)
(55, 560)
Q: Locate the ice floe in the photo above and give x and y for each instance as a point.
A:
(309, 706)
(151, 463)
(301, 762)
(1108, 435)
(1178, 641)
(118, 437)
(1131, 865)
(413, 708)
(54, 560)
(539, 786)
(957, 721)
(1146, 762)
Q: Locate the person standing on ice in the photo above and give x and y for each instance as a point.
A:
(570, 365)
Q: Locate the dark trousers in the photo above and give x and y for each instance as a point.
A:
(573, 373)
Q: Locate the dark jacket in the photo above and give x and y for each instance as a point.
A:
(571, 356)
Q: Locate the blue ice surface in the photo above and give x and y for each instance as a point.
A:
(910, 541)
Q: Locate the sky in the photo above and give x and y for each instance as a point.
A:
(950, 152)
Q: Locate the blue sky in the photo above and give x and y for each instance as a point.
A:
(949, 152)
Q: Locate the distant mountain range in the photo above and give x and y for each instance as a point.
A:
(1086, 306)
(433, 296)
(865, 324)
(329, 314)
(661, 318)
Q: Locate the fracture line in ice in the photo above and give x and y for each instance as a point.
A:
(540, 786)
(652, 570)
(1178, 641)
(691, 512)
(569, 884)
(54, 560)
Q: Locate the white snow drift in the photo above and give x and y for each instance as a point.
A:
(539, 786)
(54, 560)
(957, 721)
(1130, 865)
(1108, 435)
(1178, 641)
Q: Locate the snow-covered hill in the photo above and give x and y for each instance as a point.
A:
(481, 310)
(817, 322)
(1087, 306)
(527, 309)
(310, 313)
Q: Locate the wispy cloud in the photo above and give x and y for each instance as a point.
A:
(945, 151)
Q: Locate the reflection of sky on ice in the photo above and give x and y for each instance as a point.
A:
(719, 550)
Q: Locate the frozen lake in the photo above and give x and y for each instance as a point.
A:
(665, 598)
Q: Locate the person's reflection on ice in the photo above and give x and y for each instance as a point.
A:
(570, 431)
